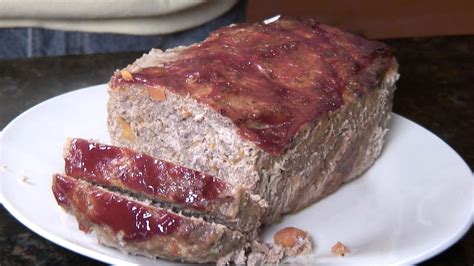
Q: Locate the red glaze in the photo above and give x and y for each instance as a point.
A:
(124, 168)
(62, 188)
(136, 221)
(271, 80)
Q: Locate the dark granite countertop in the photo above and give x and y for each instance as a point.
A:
(436, 90)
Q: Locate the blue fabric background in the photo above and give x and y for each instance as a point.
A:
(34, 42)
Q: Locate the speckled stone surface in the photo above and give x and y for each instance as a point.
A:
(436, 90)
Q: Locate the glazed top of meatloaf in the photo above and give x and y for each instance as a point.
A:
(271, 79)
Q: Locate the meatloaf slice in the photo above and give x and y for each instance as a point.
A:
(289, 110)
(170, 185)
(138, 228)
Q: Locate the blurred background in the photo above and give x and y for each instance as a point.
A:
(377, 19)
(35, 28)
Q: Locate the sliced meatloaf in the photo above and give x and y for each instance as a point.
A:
(137, 227)
(169, 185)
(288, 110)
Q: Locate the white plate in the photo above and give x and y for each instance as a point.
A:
(412, 204)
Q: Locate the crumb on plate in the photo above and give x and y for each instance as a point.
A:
(340, 249)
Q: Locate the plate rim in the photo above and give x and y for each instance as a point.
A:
(76, 248)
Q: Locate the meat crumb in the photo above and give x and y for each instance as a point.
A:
(293, 240)
(288, 236)
(26, 180)
(21, 176)
(340, 249)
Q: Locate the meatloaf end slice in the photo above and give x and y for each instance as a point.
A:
(189, 191)
(137, 227)
(289, 110)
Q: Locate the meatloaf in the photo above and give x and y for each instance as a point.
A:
(165, 184)
(288, 110)
(138, 227)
